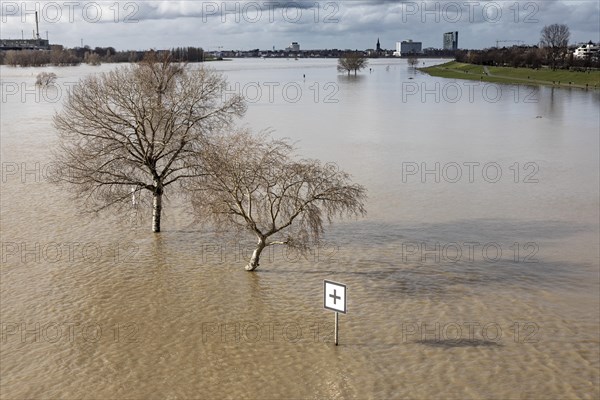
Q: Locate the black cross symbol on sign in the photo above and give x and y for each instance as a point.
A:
(334, 296)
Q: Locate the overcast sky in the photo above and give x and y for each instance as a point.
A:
(246, 25)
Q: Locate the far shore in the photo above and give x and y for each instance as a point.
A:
(517, 76)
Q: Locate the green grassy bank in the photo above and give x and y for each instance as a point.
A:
(544, 76)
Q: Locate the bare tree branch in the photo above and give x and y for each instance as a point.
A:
(139, 127)
(253, 183)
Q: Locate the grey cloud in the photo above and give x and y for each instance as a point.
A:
(149, 10)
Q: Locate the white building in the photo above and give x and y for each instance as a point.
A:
(589, 50)
(407, 47)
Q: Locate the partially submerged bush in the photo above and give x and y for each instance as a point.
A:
(45, 79)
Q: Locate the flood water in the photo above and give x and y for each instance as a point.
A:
(475, 273)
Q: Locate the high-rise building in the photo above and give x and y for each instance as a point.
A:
(407, 47)
(451, 41)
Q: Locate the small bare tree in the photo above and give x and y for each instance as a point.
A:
(254, 184)
(352, 61)
(138, 129)
(45, 79)
(555, 38)
(413, 61)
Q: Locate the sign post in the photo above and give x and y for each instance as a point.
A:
(334, 298)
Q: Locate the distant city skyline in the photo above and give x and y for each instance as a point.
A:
(245, 25)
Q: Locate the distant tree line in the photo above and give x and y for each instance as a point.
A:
(553, 51)
(530, 57)
(526, 57)
(37, 58)
(187, 54)
(95, 56)
(65, 57)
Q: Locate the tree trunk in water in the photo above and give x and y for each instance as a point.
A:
(255, 260)
(156, 210)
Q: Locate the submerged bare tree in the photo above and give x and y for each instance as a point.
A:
(352, 61)
(254, 184)
(45, 79)
(413, 61)
(138, 129)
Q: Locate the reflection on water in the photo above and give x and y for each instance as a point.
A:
(455, 281)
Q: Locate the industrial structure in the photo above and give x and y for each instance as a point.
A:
(295, 47)
(37, 43)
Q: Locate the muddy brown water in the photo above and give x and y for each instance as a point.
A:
(474, 275)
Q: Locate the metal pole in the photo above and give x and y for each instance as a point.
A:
(336, 328)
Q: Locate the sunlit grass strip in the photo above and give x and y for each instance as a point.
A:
(509, 75)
